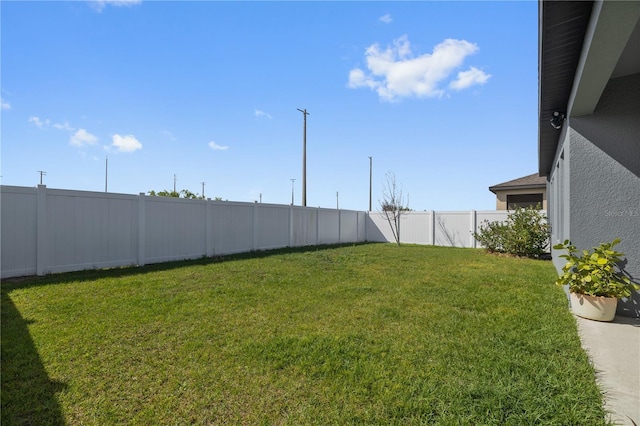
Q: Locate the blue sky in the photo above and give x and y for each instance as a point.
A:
(441, 94)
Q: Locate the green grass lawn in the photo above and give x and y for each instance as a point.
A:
(364, 334)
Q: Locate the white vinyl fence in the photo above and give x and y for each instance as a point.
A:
(451, 229)
(52, 230)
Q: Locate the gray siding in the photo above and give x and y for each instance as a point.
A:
(595, 189)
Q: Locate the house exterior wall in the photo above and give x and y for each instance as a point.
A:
(595, 184)
(559, 188)
(501, 196)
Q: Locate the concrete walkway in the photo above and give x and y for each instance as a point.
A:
(614, 348)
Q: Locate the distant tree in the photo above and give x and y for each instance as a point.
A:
(393, 204)
(164, 193)
(185, 193)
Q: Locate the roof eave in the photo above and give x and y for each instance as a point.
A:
(512, 187)
(562, 28)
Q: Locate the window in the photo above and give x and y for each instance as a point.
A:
(523, 201)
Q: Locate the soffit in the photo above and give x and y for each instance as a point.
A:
(629, 62)
(608, 43)
(614, 43)
(562, 29)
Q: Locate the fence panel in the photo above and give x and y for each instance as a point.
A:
(272, 226)
(377, 228)
(490, 216)
(362, 226)
(174, 229)
(416, 228)
(453, 229)
(18, 231)
(232, 227)
(348, 226)
(305, 229)
(86, 230)
(328, 226)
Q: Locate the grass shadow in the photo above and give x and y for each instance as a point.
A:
(28, 395)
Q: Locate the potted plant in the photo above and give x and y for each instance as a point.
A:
(595, 280)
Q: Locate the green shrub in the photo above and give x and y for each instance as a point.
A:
(524, 233)
(596, 272)
(491, 236)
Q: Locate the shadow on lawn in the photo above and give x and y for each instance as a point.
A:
(28, 394)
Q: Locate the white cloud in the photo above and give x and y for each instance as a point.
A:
(82, 138)
(63, 126)
(37, 122)
(357, 78)
(60, 126)
(217, 147)
(260, 113)
(4, 104)
(385, 18)
(469, 78)
(99, 5)
(395, 73)
(127, 143)
(170, 135)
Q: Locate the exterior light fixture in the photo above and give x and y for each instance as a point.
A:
(557, 119)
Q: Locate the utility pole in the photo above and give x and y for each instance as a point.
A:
(203, 188)
(106, 172)
(337, 201)
(304, 158)
(261, 198)
(292, 180)
(370, 180)
(174, 182)
(42, 173)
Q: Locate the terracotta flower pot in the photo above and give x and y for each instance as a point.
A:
(597, 308)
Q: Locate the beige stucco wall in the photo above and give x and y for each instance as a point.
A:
(501, 196)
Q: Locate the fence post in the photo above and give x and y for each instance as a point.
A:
(291, 239)
(473, 228)
(255, 226)
(208, 229)
(41, 230)
(433, 228)
(318, 226)
(142, 228)
(367, 219)
(339, 227)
